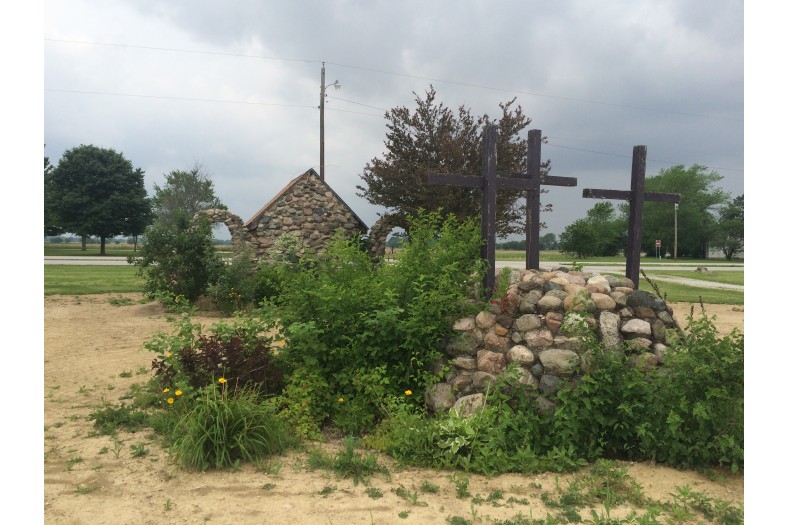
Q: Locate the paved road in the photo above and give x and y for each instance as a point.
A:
(87, 260)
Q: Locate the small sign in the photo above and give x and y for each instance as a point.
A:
(659, 243)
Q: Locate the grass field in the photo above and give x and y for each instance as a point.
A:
(85, 280)
(712, 276)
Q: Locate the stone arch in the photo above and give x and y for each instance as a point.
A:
(378, 234)
(238, 232)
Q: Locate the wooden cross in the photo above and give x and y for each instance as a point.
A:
(489, 183)
(636, 197)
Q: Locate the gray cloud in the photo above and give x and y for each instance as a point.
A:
(597, 79)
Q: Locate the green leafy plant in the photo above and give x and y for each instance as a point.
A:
(139, 450)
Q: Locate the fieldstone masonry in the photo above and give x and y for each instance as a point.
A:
(307, 208)
(529, 329)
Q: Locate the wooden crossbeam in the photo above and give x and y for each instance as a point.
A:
(489, 182)
(636, 197)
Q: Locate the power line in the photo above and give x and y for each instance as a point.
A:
(404, 75)
(630, 157)
(162, 97)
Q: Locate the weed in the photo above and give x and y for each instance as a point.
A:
(110, 387)
(404, 514)
(351, 464)
(125, 373)
(84, 390)
(458, 520)
(426, 486)
(410, 497)
(268, 487)
(103, 450)
(272, 468)
(374, 492)
(109, 419)
(142, 370)
(328, 489)
(168, 505)
(84, 489)
(461, 485)
(73, 461)
(139, 450)
(117, 448)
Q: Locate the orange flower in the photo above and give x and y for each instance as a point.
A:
(170, 400)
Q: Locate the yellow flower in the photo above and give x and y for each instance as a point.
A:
(178, 392)
(170, 400)
(408, 392)
(222, 380)
(168, 354)
(341, 400)
(166, 390)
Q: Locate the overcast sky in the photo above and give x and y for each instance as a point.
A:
(235, 85)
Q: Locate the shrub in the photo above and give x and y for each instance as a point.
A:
(235, 285)
(698, 417)
(178, 260)
(225, 427)
(240, 350)
(344, 317)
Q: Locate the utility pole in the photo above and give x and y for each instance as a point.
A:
(675, 231)
(322, 119)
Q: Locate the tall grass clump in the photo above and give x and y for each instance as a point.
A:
(224, 427)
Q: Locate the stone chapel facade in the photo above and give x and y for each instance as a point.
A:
(307, 207)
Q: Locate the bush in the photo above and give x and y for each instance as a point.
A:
(698, 417)
(234, 287)
(225, 427)
(344, 316)
(180, 261)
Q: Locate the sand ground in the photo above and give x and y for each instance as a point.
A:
(94, 354)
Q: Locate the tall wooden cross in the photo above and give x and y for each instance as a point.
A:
(531, 182)
(636, 197)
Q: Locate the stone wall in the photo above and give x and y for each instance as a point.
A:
(529, 329)
(308, 209)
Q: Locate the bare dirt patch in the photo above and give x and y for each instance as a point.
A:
(93, 353)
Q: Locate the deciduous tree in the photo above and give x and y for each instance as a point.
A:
(432, 138)
(730, 228)
(183, 194)
(696, 219)
(97, 191)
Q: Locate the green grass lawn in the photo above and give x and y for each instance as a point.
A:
(711, 275)
(85, 280)
(679, 293)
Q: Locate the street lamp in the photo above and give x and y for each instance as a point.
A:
(322, 119)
